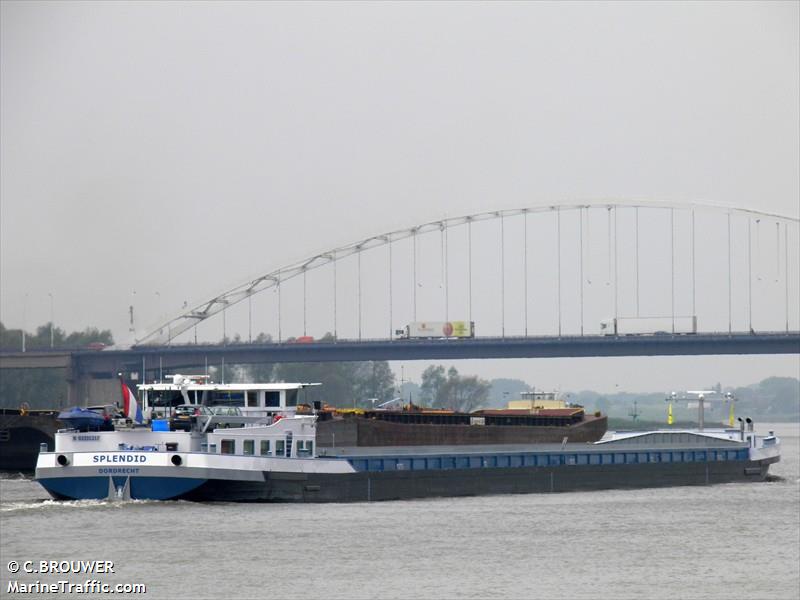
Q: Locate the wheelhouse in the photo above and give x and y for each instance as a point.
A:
(159, 400)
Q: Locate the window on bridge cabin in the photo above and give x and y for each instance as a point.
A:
(226, 398)
(280, 447)
(305, 448)
(227, 446)
(252, 398)
(272, 399)
(163, 401)
(264, 447)
(291, 397)
(248, 448)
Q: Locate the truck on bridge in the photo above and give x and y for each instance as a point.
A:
(437, 329)
(649, 325)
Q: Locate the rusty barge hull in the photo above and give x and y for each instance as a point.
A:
(21, 436)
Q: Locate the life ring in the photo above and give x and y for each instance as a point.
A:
(24, 408)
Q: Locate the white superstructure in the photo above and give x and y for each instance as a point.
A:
(252, 399)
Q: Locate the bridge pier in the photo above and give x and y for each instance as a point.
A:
(94, 383)
(87, 390)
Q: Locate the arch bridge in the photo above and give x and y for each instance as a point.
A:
(557, 270)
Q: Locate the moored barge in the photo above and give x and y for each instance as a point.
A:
(431, 427)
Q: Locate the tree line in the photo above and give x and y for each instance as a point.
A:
(42, 388)
(41, 338)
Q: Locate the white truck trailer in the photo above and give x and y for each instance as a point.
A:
(649, 325)
(437, 329)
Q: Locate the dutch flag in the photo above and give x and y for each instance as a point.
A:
(130, 406)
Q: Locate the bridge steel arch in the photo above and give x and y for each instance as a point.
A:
(167, 331)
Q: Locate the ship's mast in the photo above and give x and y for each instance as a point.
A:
(700, 396)
(634, 413)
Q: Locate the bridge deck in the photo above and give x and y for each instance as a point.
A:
(353, 350)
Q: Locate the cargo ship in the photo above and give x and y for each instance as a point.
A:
(231, 456)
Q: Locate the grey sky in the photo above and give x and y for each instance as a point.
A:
(176, 149)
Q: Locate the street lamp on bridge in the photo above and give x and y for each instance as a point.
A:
(52, 335)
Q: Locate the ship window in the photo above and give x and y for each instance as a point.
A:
(418, 464)
(462, 462)
(272, 399)
(655, 457)
(731, 454)
(666, 457)
(280, 447)
(516, 461)
(264, 447)
(227, 446)
(630, 458)
(306, 448)
(619, 459)
(375, 464)
(502, 461)
(291, 397)
(435, 463)
(226, 398)
(448, 462)
(642, 457)
(252, 398)
(249, 448)
(165, 398)
(583, 459)
(594, 459)
(701, 455)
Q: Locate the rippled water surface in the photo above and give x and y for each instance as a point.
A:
(726, 541)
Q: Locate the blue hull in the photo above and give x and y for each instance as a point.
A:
(141, 488)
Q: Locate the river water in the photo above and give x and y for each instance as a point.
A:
(727, 541)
